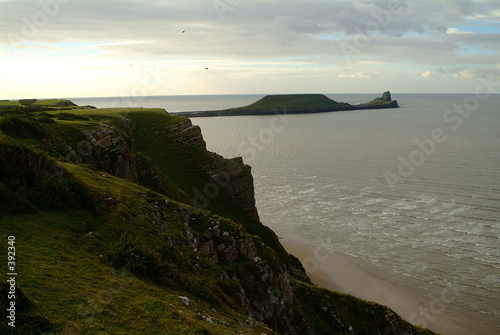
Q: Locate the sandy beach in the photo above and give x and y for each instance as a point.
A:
(338, 272)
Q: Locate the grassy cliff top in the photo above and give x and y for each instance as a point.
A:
(302, 101)
(49, 103)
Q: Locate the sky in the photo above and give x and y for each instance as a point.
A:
(90, 48)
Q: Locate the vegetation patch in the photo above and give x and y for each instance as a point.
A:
(29, 179)
(22, 125)
(70, 117)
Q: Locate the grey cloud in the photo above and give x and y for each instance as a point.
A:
(260, 29)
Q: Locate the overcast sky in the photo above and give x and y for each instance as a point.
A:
(89, 48)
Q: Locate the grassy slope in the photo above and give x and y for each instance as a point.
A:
(335, 313)
(379, 102)
(299, 101)
(61, 270)
(49, 103)
(291, 103)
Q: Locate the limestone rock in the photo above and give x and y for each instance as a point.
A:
(386, 96)
(186, 133)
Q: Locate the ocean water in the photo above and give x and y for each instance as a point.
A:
(411, 193)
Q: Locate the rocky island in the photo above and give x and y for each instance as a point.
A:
(124, 223)
(296, 104)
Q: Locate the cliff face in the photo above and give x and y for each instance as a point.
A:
(230, 176)
(252, 272)
(188, 135)
(106, 149)
(237, 180)
(109, 151)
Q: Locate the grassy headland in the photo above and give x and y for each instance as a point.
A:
(296, 104)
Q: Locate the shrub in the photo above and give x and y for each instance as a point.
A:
(12, 202)
(27, 102)
(81, 193)
(19, 110)
(46, 120)
(29, 178)
(50, 194)
(140, 260)
(46, 114)
(65, 103)
(22, 125)
(71, 117)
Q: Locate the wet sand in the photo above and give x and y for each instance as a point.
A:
(338, 272)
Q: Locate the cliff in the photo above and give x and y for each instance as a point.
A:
(296, 104)
(126, 224)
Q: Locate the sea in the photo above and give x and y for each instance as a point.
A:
(412, 194)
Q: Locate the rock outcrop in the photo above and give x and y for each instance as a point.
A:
(386, 96)
(186, 133)
(107, 149)
(385, 101)
(236, 179)
(231, 175)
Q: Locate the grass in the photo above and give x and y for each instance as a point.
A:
(64, 270)
(295, 101)
(336, 313)
(10, 103)
(379, 101)
(51, 103)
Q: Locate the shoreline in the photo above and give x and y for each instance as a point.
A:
(355, 280)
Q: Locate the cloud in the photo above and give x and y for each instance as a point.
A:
(397, 37)
(465, 74)
(456, 31)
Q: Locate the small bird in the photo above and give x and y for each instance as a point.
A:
(183, 31)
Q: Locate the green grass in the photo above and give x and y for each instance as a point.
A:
(379, 101)
(336, 313)
(53, 103)
(10, 103)
(295, 101)
(49, 102)
(285, 103)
